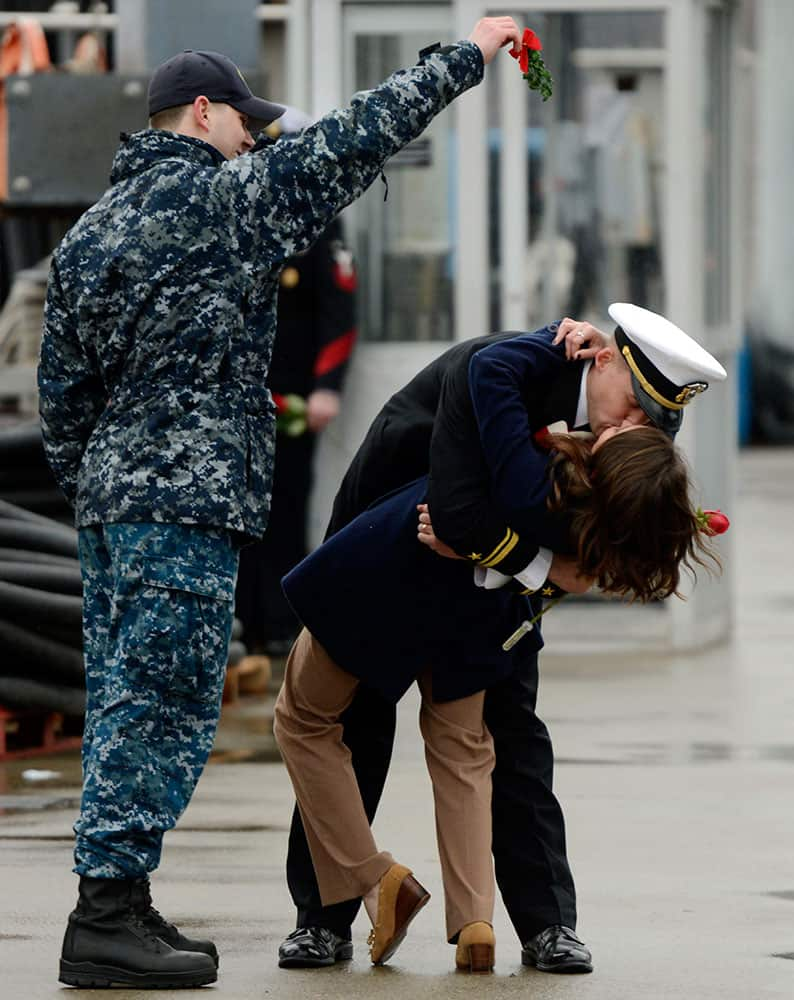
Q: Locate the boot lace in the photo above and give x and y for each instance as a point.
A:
(147, 914)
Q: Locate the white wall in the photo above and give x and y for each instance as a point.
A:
(774, 298)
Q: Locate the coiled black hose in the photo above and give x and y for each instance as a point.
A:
(21, 692)
(39, 558)
(26, 534)
(58, 579)
(22, 445)
(26, 605)
(39, 657)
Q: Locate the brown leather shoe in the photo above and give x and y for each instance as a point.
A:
(400, 898)
(476, 951)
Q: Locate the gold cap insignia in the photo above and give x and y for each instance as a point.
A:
(690, 391)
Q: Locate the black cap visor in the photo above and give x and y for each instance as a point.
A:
(260, 112)
(666, 420)
(183, 77)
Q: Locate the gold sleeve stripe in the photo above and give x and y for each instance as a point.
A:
(652, 392)
(506, 546)
(496, 552)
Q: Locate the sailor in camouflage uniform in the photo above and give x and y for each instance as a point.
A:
(159, 325)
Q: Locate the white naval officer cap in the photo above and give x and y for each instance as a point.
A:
(668, 368)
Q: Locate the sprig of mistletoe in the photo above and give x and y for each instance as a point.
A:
(530, 62)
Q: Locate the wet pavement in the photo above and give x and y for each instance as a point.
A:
(676, 775)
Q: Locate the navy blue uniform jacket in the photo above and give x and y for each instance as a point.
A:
(386, 608)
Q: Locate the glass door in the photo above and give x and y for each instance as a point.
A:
(594, 168)
(402, 233)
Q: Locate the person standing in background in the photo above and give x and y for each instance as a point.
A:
(315, 334)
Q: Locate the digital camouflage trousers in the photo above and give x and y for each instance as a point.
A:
(157, 617)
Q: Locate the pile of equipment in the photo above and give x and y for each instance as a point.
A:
(41, 660)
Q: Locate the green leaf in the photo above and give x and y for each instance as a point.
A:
(537, 76)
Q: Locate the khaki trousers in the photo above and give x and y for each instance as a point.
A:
(460, 758)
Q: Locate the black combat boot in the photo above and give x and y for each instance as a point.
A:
(158, 925)
(108, 944)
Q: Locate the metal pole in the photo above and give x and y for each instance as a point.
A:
(513, 200)
(299, 69)
(471, 279)
(326, 38)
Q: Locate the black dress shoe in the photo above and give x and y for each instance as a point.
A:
(313, 947)
(557, 949)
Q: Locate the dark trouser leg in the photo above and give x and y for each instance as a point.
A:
(262, 606)
(248, 601)
(260, 602)
(532, 869)
(369, 725)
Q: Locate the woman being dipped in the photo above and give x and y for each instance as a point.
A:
(381, 610)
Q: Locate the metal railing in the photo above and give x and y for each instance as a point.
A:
(67, 26)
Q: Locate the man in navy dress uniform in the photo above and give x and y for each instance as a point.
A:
(464, 419)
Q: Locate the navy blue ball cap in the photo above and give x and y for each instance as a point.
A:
(190, 74)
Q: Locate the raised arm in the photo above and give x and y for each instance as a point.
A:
(486, 474)
(467, 491)
(503, 379)
(285, 195)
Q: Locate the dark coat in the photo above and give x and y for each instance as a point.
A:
(316, 318)
(384, 606)
(518, 383)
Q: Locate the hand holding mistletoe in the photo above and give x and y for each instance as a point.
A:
(530, 62)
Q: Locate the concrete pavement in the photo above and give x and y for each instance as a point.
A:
(675, 774)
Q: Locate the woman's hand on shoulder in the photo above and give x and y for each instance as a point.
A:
(576, 335)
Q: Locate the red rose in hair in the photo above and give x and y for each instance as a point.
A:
(712, 522)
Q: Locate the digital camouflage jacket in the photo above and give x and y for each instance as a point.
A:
(161, 305)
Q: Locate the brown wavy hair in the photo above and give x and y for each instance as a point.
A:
(632, 519)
